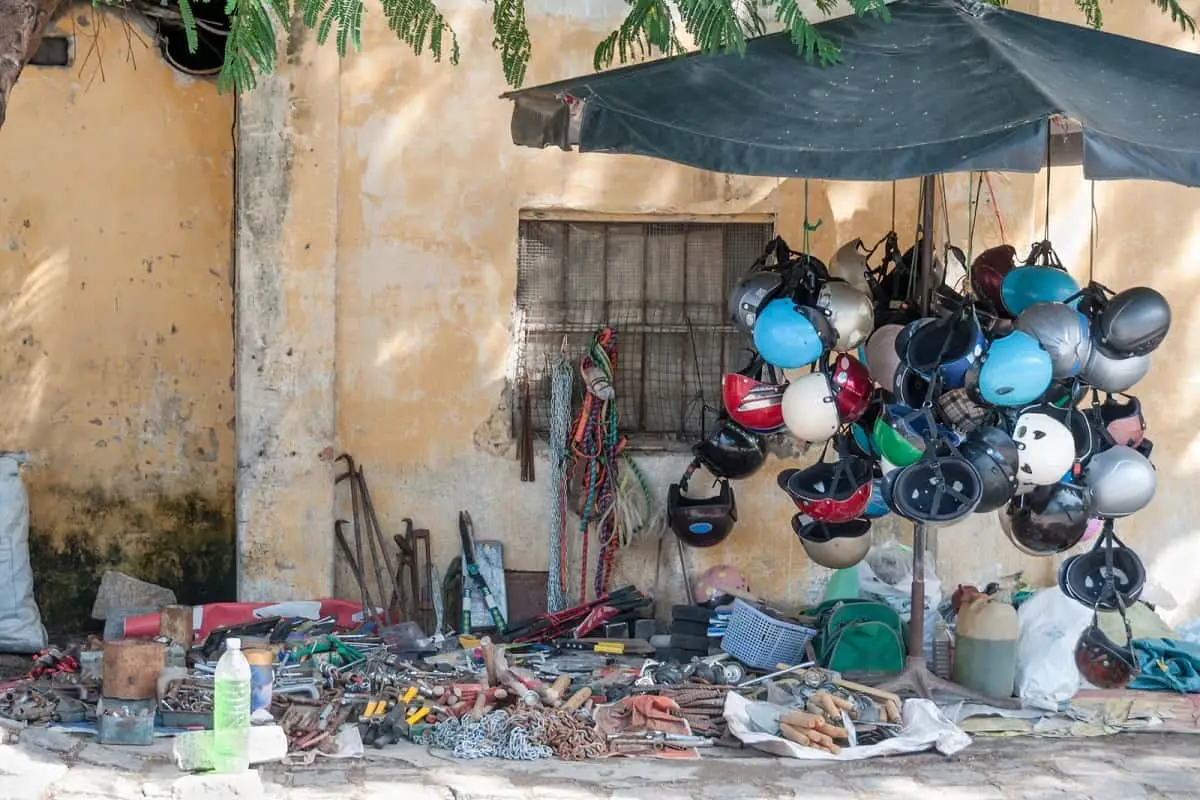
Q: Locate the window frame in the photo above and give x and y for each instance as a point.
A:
(644, 442)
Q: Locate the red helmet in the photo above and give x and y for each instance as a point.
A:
(830, 491)
(753, 404)
(851, 385)
(988, 271)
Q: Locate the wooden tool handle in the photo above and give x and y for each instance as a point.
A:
(578, 699)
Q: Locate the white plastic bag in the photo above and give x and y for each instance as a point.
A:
(1050, 625)
(21, 628)
(886, 575)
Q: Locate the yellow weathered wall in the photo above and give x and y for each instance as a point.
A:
(116, 352)
(430, 192)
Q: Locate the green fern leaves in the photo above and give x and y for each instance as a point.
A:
(512, 39)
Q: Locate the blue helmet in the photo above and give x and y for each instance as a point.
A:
(1027, 285)
(790, 336)
(877, 506)
(1015, 371)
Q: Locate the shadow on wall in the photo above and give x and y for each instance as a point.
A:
(183, 542)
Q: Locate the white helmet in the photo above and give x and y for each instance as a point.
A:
(808, 408)
(850, 264)
(849, 310)
(1045, 449)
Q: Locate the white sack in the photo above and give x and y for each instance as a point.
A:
(1050, 625)
(21, 628)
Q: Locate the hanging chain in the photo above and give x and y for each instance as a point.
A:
(561, 375)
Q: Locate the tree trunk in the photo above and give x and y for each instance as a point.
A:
(22, 23)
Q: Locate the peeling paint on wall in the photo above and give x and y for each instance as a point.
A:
(115, 340)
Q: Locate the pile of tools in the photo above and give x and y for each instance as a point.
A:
(619, 605)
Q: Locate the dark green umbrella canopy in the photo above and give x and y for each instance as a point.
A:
(945, 86)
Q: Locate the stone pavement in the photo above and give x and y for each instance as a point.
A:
(50, 765)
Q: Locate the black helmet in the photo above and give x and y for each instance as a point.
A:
(940, 490)
(910, 387)
(993, 453)
(1133, 323)
(1085, 575)
(1047, 520)
(732, 451)
(701, 522)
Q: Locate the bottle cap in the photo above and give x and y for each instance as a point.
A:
(233, 643)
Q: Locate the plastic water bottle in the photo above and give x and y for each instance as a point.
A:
(231, 711)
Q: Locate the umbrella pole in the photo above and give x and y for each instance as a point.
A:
(915, 678)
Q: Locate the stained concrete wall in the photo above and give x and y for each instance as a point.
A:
(429, 195)
(116, 353)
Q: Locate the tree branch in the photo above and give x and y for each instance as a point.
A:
(22, 24)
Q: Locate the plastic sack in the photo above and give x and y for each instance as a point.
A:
(1050, 625)
(21, 628)
(886, 575)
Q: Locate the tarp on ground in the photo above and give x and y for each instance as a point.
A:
(945, 86)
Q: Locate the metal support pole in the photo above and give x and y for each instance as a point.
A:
(925, 255)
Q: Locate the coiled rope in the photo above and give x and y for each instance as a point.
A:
(560, 422)
(597, 446)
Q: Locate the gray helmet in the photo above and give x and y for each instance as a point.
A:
(752, 293)
(1110, 374)
(1134, 322)
(1062, 332)
(1121, 481)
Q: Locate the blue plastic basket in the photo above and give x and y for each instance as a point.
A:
(762, 642)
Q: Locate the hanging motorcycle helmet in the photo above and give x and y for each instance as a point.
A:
(849, 311)
(851, 386)
(939, 489)
(882, 357)
(1101, 661)
(1063, 393)
(1031, 284)
(1110, 374)
(877, 506)
(731, 451)
(750, 295)
(751, 402)
(790, 336)
(1062, 332)
(1133, 323)
(701, 522)
(896, 437)
(987, 274)
(1122, 481)
(809, 410)
(1015, 371)
(1122, 418)
(910, 387)
(850, 264)
(993, 453)
(948, 346)
(1108, 576)
(1047, 520)
(833, 545)
(1045, 449)
(1079, 423)
(836, 491)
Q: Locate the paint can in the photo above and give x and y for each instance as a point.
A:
(262, 674)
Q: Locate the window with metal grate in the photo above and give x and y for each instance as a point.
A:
(664, 286)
